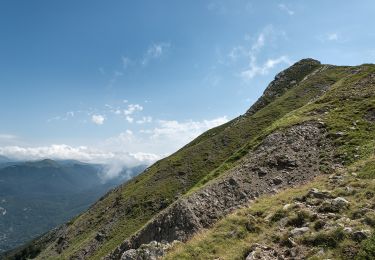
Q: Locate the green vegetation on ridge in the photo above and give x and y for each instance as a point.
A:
(347, 111)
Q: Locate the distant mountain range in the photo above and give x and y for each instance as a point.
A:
(39, 195)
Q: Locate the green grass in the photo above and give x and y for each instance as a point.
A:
(367, 249)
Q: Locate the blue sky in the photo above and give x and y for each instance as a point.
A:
(135, 80)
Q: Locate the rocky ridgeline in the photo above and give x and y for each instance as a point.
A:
(283, 159)
(283, 81)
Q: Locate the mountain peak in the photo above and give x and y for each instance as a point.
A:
(283, 81)
(307, 61)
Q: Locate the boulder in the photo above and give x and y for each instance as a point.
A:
(315, 193)
(299, 231)
(340, 203)
(360, 235)
(262, 252)
(151, 251)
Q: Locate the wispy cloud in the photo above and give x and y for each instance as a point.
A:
(155, 51)
(286, 9)
(173, 129)
(129, 119)
(165, 137)
(132, 108)
(97, 119)
(263, 69)
(66, 116)
(332, 37)
(260, 41)
(145, 119)
(250, 55)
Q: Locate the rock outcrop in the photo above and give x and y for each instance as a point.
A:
(283, 81)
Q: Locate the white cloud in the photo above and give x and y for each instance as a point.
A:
(70, 113)
(254, 69)
(126, 149)
(129, 119)
(97, 119)
(286, 9)
(237, 52)
(185, 131)
(66, 116)
(145, 119)
(332, 37)
(250, 54)
(155, 51)
(166, 137)
(132, 108)
(260, 41)
(115, 161)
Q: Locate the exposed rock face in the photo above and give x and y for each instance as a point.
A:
(262, 252)
(299, 231)
(283, 159)
(284, 81)
(151, 251)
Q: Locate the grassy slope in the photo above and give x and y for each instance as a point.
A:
(342, 109)
(133, 204)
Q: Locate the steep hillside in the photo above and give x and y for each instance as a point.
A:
(297, 130)
(330, 217)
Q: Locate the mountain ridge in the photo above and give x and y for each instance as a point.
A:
(306, 92)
